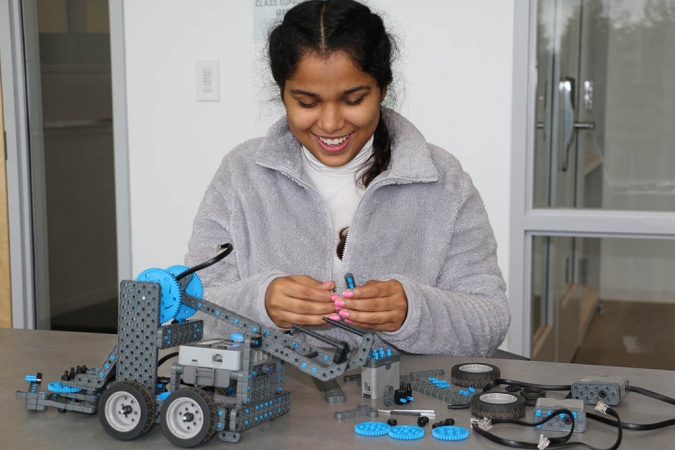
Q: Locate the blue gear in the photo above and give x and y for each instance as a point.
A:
(194, 288)
(450, 433)
(371, 428)
(406, 432)
(57, 387)
(163, 396)
(171, 297)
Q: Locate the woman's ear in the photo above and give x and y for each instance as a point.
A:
(383, 94)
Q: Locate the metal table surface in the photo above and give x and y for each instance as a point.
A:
(310, 423)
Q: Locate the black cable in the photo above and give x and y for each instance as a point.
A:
(639, 426)
(165, 358)
(554, 443)
(522, 384)
(226, 250)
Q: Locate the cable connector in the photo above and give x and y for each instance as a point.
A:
(483, 424)
(543, 442)
(601, 407)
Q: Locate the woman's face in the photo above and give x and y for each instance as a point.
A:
(332, 107)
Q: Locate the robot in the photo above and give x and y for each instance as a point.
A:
(221, 386)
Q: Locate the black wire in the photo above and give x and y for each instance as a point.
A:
(522, 384)
(165, 358)
(639, 426)
(226, 250)
(559, 442)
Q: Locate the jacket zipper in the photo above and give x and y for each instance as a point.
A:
(292, 176)
(298, 180)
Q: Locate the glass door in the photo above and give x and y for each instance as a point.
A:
(598, 225)
(69, 96)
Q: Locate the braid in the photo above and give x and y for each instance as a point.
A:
(379, 160)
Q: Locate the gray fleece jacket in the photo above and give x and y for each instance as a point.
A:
(421, 222)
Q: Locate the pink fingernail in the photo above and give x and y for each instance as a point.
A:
(348, 294)
(334, 317)
(348, 321)
(338, 308)
(344, 313)
(340, 303)
(335, 297)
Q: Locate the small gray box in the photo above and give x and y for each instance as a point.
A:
(599, 388)
(545, 406)
(215, 354)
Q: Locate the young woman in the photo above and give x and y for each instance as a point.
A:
(342, 184)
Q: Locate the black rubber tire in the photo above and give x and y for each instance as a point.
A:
(139, 416)
(476, 375)
(204, 413)
(498, 405)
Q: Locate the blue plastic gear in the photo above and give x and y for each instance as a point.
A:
(406, 432)
(171, 297)
(371, 428)
(450, 433)
(163, 396)
(57, 387)
(195, 288)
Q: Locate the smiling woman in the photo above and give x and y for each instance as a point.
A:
(332, 107)
(342, 184)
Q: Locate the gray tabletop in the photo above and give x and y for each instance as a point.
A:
(310, 423)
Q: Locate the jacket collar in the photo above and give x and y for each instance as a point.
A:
(410, 155)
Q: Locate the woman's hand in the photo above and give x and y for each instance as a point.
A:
(379, 305)
(299, 299)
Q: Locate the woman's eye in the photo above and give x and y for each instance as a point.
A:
(306, 105)
(354, 102)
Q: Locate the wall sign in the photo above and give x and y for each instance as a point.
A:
(267, 13)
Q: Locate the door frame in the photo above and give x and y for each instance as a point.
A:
(25, 286)
(526, 221)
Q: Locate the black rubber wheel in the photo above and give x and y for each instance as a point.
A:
(189, 417)
(498, 405)
(127, 410)
(476, 375)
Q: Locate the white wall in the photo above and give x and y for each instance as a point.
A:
(457, 66)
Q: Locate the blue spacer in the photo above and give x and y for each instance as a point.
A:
(406, 432)
(254, 329)
(220, 413)
(31, 378)
(218, 313)
(220, 425)
(450, 433)
(371, 428)
(101, 375)
(112, 358)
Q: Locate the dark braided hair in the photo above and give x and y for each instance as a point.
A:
(328, 26)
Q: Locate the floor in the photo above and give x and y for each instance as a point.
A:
(630, 334)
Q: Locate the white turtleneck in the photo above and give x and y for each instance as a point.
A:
(338, 186)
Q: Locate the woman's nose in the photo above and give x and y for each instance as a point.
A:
(331, 119)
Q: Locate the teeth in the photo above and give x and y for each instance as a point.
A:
(333, 141)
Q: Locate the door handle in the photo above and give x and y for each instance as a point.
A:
(566, 89)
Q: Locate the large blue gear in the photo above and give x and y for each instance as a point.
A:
(195, 288)
(406, 432)
(57, 387)
(371, 428)
(450, 433)
(171, 296)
